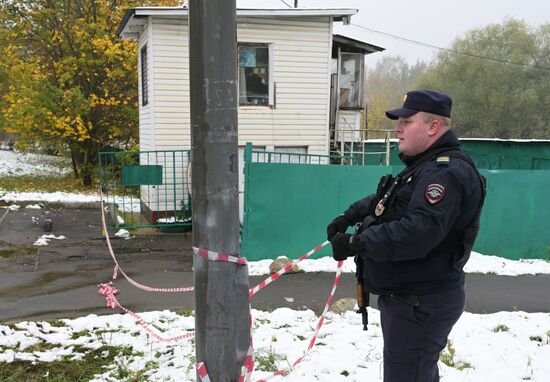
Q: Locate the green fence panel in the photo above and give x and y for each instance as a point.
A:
(486, 153)
(141, 175)
(287, 208)
(516, 216)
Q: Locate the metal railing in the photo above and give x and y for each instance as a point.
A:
(301, 158)
(147, 188)
(353, 142)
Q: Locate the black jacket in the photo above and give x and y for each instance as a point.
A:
(419, 238)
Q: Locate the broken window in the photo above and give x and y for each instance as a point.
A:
(351, 80)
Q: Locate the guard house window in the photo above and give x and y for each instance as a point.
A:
(253, 74)
(144, 80)
(351, 80)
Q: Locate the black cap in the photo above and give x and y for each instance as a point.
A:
(428, 101)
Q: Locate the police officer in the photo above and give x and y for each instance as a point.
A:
(415, 236)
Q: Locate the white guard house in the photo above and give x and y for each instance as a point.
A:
(300, 85)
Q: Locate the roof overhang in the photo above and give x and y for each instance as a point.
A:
(350, 45)
(134, 18)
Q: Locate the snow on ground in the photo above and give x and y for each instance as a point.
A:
(14, 163)
(492, 347)
(128, 203)
(123, 234)
(45, 239)
(478, 263)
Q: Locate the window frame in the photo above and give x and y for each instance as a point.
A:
(270, 82)
(360, 70)
(143, 56)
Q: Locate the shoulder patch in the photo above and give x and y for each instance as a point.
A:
(443, 160)
(434, 193)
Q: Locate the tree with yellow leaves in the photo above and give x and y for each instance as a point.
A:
(70, 84)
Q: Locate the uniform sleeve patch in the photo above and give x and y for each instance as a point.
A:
(434, 193)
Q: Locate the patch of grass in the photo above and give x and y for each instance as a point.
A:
(123, 373)
(82, 333)
(448, 358)
(345, 373)
(266, 362)
(100, 332)
(192, 362)
(28, 183)
(9, 250)
(41, 346)
(57, 323)
(536, 339)
(501, 328)
(94, 362)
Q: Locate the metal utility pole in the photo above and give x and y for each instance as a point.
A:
(221, 288)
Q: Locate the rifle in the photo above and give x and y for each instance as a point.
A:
(385, 190)
(363, 297)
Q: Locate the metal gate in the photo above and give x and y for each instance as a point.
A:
(147, 188)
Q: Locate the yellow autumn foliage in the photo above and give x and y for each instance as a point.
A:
(67, 82)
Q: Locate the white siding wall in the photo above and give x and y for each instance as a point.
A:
(301, 50)
(171, 91)
(146, 115)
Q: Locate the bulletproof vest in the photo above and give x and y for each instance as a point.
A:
(382, 210)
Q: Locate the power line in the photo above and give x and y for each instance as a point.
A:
(415, 42)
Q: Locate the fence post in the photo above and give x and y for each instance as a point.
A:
(247, 156)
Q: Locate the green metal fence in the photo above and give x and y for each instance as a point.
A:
(147, 188)
(296, 158)
(486, 153)
(266, 231)
(287, 208)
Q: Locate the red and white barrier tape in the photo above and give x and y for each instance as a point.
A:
(119, 269)
(275, 276)
(203, 373)
(219, 256)
(248, 366)
(319, 325)
(109, 291)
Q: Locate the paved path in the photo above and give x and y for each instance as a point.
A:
(60, 280)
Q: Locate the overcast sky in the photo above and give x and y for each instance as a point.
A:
(435, 22)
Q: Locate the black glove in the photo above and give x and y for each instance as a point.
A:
(340, 224)
(341, 246)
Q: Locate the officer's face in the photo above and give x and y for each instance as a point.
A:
(414, 134)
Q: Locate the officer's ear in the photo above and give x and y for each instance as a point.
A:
(435, 127)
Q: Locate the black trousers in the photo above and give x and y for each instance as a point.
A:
(415, 331)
